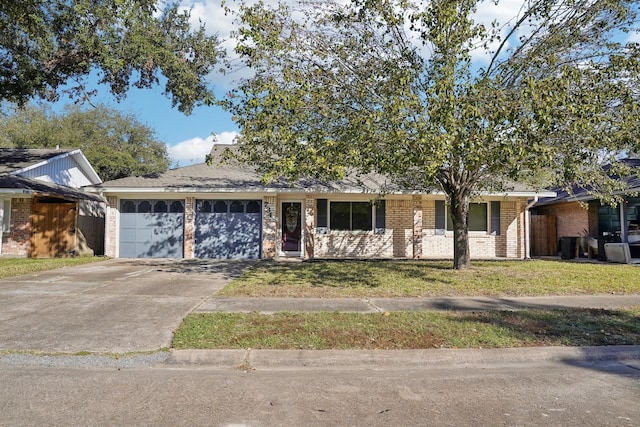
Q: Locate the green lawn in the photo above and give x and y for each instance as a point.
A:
(409, 330)
(10, 267)
(358, 279)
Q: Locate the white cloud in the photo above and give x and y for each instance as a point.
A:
(195, 150)
(634, 37)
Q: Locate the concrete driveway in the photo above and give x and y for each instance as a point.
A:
(120, 305)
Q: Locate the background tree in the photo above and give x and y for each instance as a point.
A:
(116, 145)
(49, 47)
(395, 87)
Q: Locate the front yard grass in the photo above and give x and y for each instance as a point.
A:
(409, 330)
(420, 330)
(361, 279)
(10, 267)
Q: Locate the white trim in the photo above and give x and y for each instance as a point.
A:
(321, 194)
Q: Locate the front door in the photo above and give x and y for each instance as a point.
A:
(291, 227)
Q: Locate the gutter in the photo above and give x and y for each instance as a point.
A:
(527, 228)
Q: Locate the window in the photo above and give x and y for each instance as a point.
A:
(160, 207)
(482, 217)
(350, 216)
(128, 206)
(237, 207)
(220, 207)
(144, 207)
(253, 207)
(176, 207)
(204, 206)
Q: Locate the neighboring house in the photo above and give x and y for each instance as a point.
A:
(42, 210)
(581, 215)
(224, 211)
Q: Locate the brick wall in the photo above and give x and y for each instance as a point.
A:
(509, 243)
(399, 218)
(269, 226)
(17, 241)
(309, 227)
(189, 226)
(571, 218)
(354, 245)
(418, 218)
(111, 238)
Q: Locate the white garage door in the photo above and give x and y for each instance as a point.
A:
(151, 229)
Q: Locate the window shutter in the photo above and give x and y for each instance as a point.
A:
(381, 223)
(321, 214)
(440, 217)
(495, 218)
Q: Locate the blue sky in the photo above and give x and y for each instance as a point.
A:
(189, 138)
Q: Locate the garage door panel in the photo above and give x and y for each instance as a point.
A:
(151, 235)
(228, 235)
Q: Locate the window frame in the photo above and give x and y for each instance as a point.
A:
(375, 216)
(492, 220)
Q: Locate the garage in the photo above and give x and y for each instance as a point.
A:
(228, 229)
(152, 229)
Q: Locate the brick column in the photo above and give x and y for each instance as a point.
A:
(417, 226)
(189, 227)
(18, 240)
(111, 234)
(269, 226)
(309, 226)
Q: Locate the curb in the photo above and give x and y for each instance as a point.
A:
(388, 359)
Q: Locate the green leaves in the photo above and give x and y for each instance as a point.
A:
(393, 87)
(45, 45)
(116, 145)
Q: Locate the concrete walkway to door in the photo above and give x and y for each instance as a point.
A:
(119, 305)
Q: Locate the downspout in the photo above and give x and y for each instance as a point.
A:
(527, 228)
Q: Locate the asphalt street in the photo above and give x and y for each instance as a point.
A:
(485, 394)
(130, 308)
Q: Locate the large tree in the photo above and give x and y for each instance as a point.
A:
(426, 93)
(117, 145)
(53, 46)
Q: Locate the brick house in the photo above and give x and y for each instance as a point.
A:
(581, 215)
(42, 211)
(224, 211)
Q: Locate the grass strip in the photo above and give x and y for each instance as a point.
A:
(409, 330)
(357, 279)
(10, 267)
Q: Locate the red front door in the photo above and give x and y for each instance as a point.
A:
(291, 227)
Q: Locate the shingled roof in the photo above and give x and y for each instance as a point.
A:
(581, 194)
(233, 177)
(230, 176)
(12, 160)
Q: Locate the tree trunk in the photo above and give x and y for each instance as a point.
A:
(459, 202)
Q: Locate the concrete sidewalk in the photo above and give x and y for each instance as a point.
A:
(381, 305)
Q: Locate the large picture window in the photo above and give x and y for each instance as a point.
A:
(350, 216)
(482, 217)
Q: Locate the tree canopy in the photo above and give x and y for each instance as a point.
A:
(51, 47)
(426, 93)
(116, 145)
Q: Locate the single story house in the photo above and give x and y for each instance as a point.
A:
(581, 215)
(224, 211)
(43, 212)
